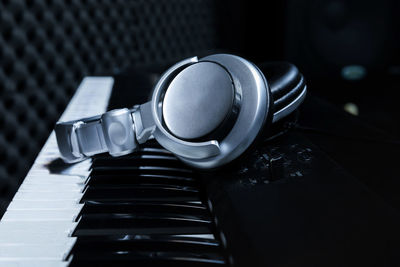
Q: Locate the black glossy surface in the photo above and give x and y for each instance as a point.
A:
(290, 204)
(145, 209)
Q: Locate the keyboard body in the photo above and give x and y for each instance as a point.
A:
(286, 203)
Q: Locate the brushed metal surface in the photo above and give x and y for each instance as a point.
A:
(198, 100)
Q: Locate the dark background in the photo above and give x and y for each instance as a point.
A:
(46, 47)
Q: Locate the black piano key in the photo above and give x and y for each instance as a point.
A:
(139, 160)
(204, 250)
(141, 187)
(138, 193)
(141, 218)
(152, 143)
(91, 207)
(142, 151)
(154, 255)
(148, 258)
(145, 230)
(139, 170)
(94, 241)
(138, 243)
(141, 179)
(154, 151)
(154, 250)
(151, 220)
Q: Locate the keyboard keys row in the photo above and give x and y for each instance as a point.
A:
(146, 209)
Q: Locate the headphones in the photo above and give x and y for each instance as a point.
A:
(206, 111)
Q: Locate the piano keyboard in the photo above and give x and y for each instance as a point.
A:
(146, 208)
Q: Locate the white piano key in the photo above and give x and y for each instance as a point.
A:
(42, 205)
(36, 228)
(31, 262)
(44, 161)
(55, 179)
(50, 187)
(35, 238)
(43, 172)
(95, 88)
(40, 215)
(20, 251)
(43, 227)
(45, 195)
(70, 169)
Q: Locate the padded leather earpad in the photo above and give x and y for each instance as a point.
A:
(285, 82)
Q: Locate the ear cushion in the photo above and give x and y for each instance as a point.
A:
(285, 82)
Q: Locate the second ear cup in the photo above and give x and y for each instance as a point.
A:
(285, 82)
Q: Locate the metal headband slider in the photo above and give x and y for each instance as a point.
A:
(119, 132)
(67, 141)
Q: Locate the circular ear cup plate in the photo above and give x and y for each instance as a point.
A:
(198, 100)
(252, 89)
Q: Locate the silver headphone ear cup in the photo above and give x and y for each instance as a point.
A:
(253, 102)
(255, 98)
